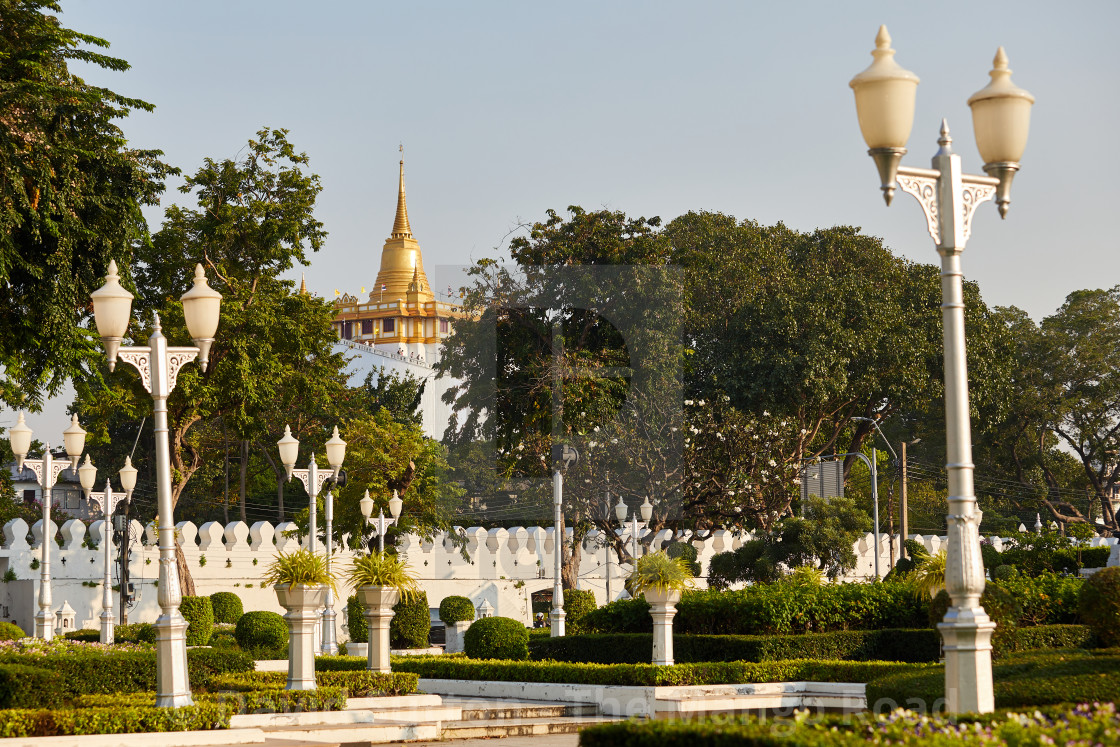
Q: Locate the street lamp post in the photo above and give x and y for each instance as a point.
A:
(646, 510)
(313, 481)
(395, 504)
(159, 366)
(46, 474)
(108, 501)
(890, 517)
(885, 96)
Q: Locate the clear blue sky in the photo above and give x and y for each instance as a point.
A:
(654, 108)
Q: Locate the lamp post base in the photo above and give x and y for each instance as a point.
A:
(108, 626)
(44, 624)
(330, 642)
(556, 617)
(967, 634)
(172, 685)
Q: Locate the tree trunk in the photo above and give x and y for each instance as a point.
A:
(225, 495)
(186, 581)
(244, 474)
(281, 479)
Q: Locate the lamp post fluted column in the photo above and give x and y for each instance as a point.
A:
(885, 96)
(46, 472)
(158, 365)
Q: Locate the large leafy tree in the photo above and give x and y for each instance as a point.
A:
(273, 359)
(71, 192)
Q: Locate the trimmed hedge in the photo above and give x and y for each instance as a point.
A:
(11, 632)
(259, 699)
(84, 670)
(84, 635)
(647, 675)
(1099, 604)
(262, 635)
(356, 620)
(115, 720)
(849, 645)
(200, 619)
(774, 609)
(23, 686)
(411, 623)
(577, 604)
(135, 633)
(357, 683)
(496, 638)
(1083, 725)
(1033, 678)
(455, 609)
(1046, 599)
(227, 607)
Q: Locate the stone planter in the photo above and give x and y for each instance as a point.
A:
(356, 649)
(453, 643)
(662, 603)
(378, 603)
(302, 603)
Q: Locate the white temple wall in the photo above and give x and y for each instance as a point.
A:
(502, 566)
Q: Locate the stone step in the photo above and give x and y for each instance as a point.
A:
(353, 734)
(526, 711)
(528, 727)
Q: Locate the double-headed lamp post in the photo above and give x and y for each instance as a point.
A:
(395, 504)
(159, 366)
(885, 96)
(108, 501)
(313, 481)
(46, 474)
(646, 510)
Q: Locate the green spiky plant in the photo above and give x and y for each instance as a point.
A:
(929, 577)
(659, 572)
(383, 569)
(299, 567)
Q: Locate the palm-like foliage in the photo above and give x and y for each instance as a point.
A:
(299, 567)
(383, 569)
(659, 572)
(929, 577)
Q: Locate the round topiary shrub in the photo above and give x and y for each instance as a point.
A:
(135, 633)
(200, 619)
(1004, 572)
(11, 632)
(412, 622)
(685, 550)
(262, 635)
(1099, 605)
(1002, 608)
(356, 620)
(497, 638)
(227, 607)
(456, 609)
(84, 635)
(577, 603)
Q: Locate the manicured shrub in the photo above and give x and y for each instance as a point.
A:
(685, 550)
(1001, 607)
(577, 603)
(646, 675)
(496, 638)
(262, 635)
(1003, 572)
(135, 633)
(23, 686)
(200, 619)
(411, 623)
(223, 637)
(19, 723)
(455, 609)
(84, 635)
(206, 663)
(1099, 604)
(1033, 678)
(1045, 599)
(358, 682)
(356, 620)
(636, 648)
(11, 632)
(227, 607)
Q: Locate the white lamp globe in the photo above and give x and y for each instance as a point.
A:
(20, 439)
(74, 439)
(336, 450)
(112, 307)
(289, 450)
(128, 475)
(202, 311)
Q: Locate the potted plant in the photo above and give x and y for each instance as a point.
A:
(661, 580)
(380, 580)
(301, 580)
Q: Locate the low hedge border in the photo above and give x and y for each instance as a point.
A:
(262, 699)
(915, 646)
(22, 723)
(357, 683)
(647, 675)
(1086, 724)
(1033, 678)
(850, 645)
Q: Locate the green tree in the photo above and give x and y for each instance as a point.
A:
(71, 192)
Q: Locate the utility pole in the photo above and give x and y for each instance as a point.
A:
(902, 503)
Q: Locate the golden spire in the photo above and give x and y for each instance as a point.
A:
(303, 284)
(401, 229)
